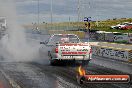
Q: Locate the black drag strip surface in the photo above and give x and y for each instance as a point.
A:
(28, 75)
(35, 75)
(69, 73)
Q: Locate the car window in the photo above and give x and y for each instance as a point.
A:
(63, 39)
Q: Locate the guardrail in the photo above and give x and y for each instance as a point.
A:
(112, 52)
(80, 34)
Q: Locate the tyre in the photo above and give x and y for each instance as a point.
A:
(49, 53)
(52, 62)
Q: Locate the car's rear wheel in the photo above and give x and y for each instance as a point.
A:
(52, 62)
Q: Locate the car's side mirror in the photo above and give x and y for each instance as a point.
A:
(43, 42)
(57, 43)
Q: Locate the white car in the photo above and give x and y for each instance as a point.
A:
(67, 47)
(118, 26)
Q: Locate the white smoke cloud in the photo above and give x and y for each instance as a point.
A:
(13, 46)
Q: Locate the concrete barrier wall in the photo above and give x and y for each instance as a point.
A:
(109, 37)
(120, 38)
(100, 36)
(130, 40)
(92, 36)
(112, 37)
(130, 56)
(114, 53)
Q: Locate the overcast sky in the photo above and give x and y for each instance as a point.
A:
(63, 9)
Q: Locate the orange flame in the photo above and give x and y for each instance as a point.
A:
(81, 70)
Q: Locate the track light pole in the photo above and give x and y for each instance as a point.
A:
(51, 13)
(38, 13)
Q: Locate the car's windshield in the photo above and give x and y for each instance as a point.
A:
(63, 39)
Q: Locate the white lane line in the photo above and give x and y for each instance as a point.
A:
(11, 82)
(63, 81)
